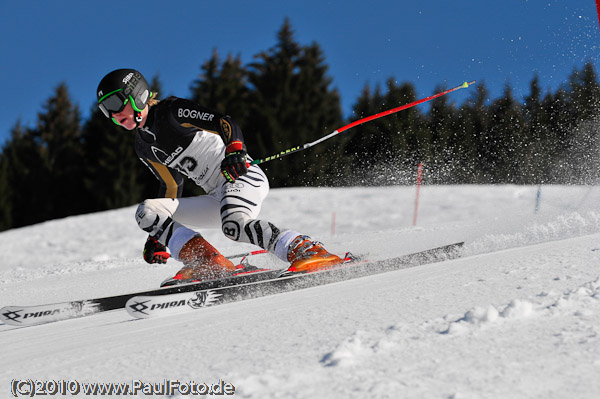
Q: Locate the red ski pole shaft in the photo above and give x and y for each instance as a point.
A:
(360, 122)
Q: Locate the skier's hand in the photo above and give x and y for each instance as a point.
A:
(155, 252)
(235, 164)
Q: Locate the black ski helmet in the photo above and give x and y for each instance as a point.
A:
(121, 86)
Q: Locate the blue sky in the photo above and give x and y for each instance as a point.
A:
(428, 43)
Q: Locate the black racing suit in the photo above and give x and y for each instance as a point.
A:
(169, 144)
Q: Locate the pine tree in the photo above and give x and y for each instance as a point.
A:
(580, 160)
(541, 143)
(505, 139)
(111, 163)
(361, 143)
(472, 125)
(223, 87)
(385, 150)
(23, 164)
(59, 132)
(41, 167)
(291, 103)
(446, 140)
(9, 183)
(584, 93)
(5, 198)
(407, 131)
(318, 113)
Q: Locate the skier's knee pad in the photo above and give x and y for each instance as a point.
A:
(154, 216)
(253, 231)
(233, 225)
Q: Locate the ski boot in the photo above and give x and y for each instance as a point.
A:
(204, 262)
(308, 256)
(201, 262)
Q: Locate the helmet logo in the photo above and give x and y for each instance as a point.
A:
(128, 78)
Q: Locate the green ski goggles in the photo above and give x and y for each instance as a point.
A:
(115, 102)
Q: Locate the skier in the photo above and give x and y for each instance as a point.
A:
(176, 137)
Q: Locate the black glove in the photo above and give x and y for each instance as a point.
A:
(155, 252)
(235, 164)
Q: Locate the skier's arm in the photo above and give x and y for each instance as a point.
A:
(231, 133)
(187, 114)
(234, 165)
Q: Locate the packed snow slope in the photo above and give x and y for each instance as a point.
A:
(518, 316)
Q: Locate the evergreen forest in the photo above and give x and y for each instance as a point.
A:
(65, 165)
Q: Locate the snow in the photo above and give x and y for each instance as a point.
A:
(517, 316)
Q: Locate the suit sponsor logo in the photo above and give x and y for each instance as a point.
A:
(230, 188)
(226, 128)
(194, 114)
(177, 151)
(165, 158)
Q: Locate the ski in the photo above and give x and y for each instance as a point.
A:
(40, 314)
(145, 306)
(46, 313)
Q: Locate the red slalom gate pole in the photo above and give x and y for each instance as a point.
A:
(246, 254)
(419, 177)
(598, 9)
(360, 122)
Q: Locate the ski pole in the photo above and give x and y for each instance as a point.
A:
(359, 122)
